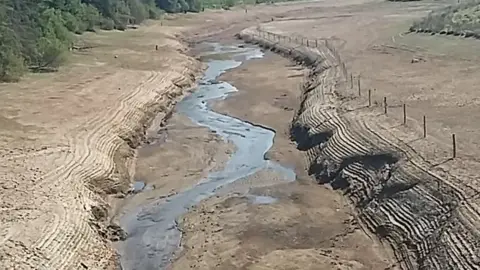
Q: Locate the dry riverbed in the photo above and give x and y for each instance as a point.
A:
(262, 222)
(63, 172)
(177, 156)
(68, 139)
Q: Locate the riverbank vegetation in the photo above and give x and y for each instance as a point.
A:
(462, 19)
(36, 35)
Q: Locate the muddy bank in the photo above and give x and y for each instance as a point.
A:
(261, 222)
(426, 222)
(151, 226)
(269, 89)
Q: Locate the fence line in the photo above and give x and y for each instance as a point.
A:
(467, 195)
(317, 43)
(307, 42)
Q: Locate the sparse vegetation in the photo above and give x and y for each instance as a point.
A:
(36, 34)
(461, 20)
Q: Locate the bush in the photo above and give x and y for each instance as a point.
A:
(229, 3)
(90, 17)
(52, 53)
(155, 13)
(12, 66)
(122, 21)
(138, 11)
(460, 19)
(107, 24)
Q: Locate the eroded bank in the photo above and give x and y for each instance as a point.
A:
(427, 221)
(152, 232)
(305, 226)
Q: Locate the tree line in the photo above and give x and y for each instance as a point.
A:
(36, 34)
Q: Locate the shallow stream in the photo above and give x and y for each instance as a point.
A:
(153, 235)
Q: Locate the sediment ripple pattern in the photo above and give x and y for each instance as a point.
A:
(429, 221)
(51, 225)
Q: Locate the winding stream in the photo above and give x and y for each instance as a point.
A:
(153, 236)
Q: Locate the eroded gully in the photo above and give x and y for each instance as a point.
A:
(153, 234)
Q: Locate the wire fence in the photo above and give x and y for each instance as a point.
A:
(460, 199)
(354, 81)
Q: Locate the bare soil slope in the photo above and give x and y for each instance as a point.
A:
(67, 139)
(409, 190)
(305, 227)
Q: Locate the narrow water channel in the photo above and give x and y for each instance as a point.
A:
(153, 235)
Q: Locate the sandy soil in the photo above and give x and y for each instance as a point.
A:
(308, 227)
(269, 87)
(68, 139)
(296, 232)
(433, 75)
(404, 68)
(66, 143)
(177, 156)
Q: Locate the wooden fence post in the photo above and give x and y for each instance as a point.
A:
(307, 43)
(385, 104)
(316, 42)
(424, 126)
(404, 114)
(369, 97)
(359, 90)
(454, 144)
(351, 81)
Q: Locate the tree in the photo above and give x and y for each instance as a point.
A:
(38, 33)
(51, 53)
(138, 11)
(11, 60)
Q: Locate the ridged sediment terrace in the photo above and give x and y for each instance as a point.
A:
(430, 222)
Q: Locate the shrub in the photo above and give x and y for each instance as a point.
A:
(107, 24)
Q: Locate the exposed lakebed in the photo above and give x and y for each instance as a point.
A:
(153, 234)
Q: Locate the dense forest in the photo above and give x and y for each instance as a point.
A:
(36, 34)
